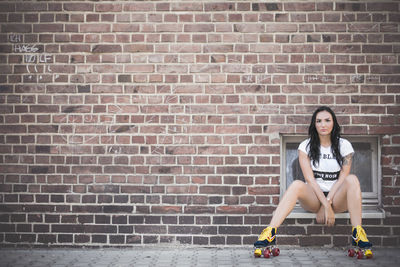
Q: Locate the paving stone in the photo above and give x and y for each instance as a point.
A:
(190, 256)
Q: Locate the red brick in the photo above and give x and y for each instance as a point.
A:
(231, 210)
(100, 28)
(125, 27)
(297, 48)
(219, 7)
(138, 48)
(382, 6)
(186, 6)
(198, 27)
(198, 210)
(269, 190)
(169, 28)
(315, 240)
(31, 7)
(330, 27)
(299, 6)
(106, 48)
(138, 68)
(218, 48)
(240, 7)
(374, 89)
(365, 99)
(13, 169)
(282, 69)
(231, 129)
(48, 27)
(20, 28)
(181, 189)
(166, 209)
(78, 7)
(388, 38)
(99, 7)
(385, 69)
(75, 48)
(350, 7)
(263, 170)
(10, 7)
(345, 48)
(272, 28)
(377, 48)
(339, 69)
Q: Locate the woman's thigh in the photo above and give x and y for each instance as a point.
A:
(339, 201)
(308, 199)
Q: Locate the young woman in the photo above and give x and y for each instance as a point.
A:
(325, 160)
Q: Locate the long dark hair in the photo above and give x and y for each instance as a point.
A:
(314, 143)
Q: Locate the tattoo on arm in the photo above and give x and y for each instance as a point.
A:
(347, 160)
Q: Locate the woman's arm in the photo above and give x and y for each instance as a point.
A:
(344, 172)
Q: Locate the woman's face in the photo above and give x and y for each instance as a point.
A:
(324, 123)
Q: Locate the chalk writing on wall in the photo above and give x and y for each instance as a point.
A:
(32, 53)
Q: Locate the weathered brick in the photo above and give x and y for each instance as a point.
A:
(78, 6)
(16, 238)
(139, 6)
(385, 69)
(231, 210)
(299, 7)
(62, 238)
(186, 6)
(48, 27)
(377, 48)
(10, 7)
(232, 230)
(382, 6)
(166, 209)
(67, 228)
(315, 240)
(339, 69)
(106, 48)
(270, 28)
(105, 7)
(95, 27)
(330, 27)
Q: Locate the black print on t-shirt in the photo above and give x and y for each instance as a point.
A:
(328, 176)
(327, 156)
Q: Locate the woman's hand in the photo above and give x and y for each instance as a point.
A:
(321, 215)
(329, 216)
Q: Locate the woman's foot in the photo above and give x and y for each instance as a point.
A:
(266, 238)
(360, 237)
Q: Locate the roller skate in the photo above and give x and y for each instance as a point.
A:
(361, 245)
(266, 244)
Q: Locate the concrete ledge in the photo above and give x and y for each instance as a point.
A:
(368, 212)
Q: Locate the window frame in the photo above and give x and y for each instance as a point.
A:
(368, 198)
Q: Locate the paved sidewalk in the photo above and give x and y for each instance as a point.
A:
(158, 256)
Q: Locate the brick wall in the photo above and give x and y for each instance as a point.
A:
(145, 122)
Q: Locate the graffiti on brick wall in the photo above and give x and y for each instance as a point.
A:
(32, 54)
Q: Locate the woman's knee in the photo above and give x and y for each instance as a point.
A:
(352, 181)
(297, 185)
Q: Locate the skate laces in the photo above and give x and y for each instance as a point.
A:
(361, 235)
(266, 234)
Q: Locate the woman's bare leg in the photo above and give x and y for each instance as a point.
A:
(348, 198)
(298, 190)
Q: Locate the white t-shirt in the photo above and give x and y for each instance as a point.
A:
(327, 171)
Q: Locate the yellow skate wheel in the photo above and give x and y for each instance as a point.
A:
(257, 252)
(368, 253)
